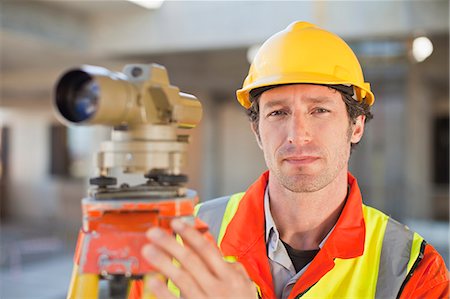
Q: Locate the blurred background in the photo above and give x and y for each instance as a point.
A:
(402, 164)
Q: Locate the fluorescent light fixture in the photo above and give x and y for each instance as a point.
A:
(149, 4)
(422, 48)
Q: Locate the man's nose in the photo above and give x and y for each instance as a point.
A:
(299, 129)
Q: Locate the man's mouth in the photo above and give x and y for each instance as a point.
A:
(301, 160)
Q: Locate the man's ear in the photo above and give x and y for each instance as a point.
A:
(358, 129)
(255, 130)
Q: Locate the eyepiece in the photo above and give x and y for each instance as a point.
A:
(77, 96)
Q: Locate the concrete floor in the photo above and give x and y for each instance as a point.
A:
(35, 262)
(47, 279)
(34, 265)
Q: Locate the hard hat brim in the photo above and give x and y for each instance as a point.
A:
(243, 95)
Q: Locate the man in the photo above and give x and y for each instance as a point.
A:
(301, 229)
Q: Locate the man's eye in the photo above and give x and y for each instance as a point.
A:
(321, 110)
(276, 113)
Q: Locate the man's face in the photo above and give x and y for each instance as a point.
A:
(305, 134)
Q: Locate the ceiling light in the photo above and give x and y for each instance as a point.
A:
(149, 4)
(422, 47)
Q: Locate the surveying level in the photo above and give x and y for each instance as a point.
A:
(144, 111)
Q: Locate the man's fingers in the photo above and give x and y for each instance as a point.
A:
(194, 239)
(163, 263)
(189, 260)
(158, 288)
(202, 272)
(239, 268)
(210, 255)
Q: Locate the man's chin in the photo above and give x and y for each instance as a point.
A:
(301, 183)
(302, 173)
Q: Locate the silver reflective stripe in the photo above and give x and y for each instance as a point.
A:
(211, 212)
(395, 255)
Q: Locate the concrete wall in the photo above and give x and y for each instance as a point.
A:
(204, 45)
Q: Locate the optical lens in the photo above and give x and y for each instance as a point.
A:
(85, 100)
(77, 96)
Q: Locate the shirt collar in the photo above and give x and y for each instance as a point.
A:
(271, 228)
(270, 224)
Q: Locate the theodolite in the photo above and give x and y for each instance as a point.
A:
(144, 112)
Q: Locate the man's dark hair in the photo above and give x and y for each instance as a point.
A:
(354, 108)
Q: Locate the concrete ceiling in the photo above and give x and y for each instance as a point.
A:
(94, 7)
(41, 38)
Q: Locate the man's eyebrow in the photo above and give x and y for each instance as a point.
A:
(272, 103)
(310, 100)
(320, 99)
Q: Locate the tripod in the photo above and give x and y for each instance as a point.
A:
(113, 234)
(144, 111)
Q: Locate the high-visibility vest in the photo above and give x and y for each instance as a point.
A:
(391, 252)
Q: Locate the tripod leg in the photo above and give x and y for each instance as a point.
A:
(73, 282)
(83, 286)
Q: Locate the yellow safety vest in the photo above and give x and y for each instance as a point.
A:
(391, 252)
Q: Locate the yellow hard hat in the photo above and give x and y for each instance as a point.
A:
(305, 53)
